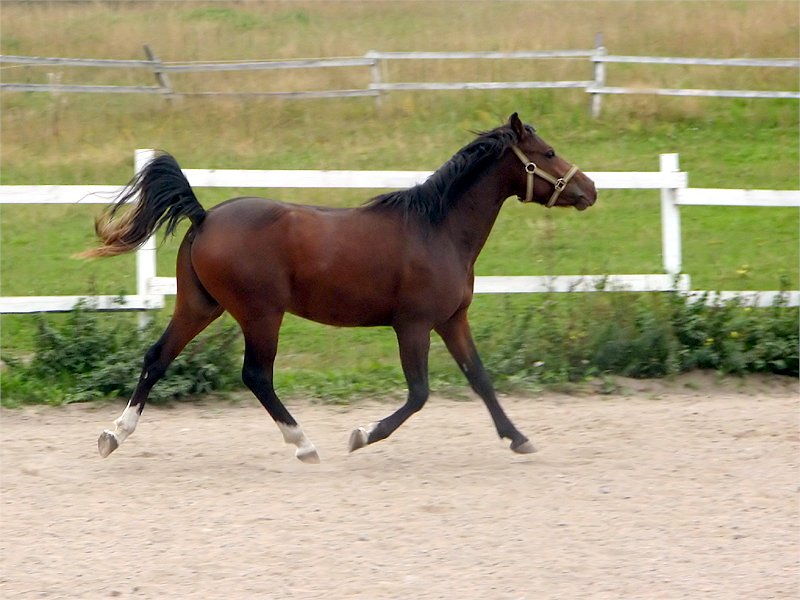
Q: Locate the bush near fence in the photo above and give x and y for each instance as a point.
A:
(553, 341)
(549, 342)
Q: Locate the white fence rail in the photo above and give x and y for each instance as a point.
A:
(376, 62)
(673, 183)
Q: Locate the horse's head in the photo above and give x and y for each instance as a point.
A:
(545, 177)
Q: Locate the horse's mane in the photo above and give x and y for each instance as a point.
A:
(431, 200)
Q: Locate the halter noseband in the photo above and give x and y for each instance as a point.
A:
(531, 169)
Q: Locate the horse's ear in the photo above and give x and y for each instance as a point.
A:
(516, 126)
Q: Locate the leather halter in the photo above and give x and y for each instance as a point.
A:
(531, 169)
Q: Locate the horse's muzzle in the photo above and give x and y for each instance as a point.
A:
(586, 194)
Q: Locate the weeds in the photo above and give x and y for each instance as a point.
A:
(550, 342)
(84, 359)
(559, 340)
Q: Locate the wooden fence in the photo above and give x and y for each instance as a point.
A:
(376, 61)
(673, 183)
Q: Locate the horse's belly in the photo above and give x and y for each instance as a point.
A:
(343, 305)
(370, 297)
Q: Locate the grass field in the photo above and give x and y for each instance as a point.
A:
(90, 139)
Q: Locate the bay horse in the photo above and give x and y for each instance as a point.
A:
(404, 259)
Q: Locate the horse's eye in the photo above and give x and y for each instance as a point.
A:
(550, 154)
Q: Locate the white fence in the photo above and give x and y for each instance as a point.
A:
(376, 62)
(673, 183)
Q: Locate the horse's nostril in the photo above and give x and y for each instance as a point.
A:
(584, 201)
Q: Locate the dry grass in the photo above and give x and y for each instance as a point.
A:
(197, 31)
(270, 30)
(84, 137)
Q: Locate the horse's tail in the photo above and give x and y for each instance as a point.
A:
(164, 198)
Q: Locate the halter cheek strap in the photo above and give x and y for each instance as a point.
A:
(532, 170)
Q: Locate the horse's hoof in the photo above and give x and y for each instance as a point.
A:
(524, 448)
(358, 439)
(308, 455)
(107, 443)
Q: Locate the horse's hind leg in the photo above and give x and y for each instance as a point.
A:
(194, 311)
(261, 345)
(156, 360)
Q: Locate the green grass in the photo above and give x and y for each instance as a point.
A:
(724, 248)
(89, 139)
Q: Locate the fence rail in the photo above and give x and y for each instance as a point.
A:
(58, 194)
(268, 65)
(59, 88)
(692, 92)
(375, 61)
(709, 62)
(480, 85)
(673, 183)
(76, 62)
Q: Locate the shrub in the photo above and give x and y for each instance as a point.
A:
(557, 340)
(85, 358)
(552, 340)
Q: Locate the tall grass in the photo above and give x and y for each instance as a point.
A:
(197, 30)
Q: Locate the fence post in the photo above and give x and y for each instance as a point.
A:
(670, 218)
(376, 74)
(146, 255)
(161, 76)
(599, 74)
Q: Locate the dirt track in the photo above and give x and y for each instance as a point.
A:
(679, 492)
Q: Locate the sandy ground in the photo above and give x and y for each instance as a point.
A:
(684, 491)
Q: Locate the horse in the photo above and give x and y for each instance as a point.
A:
(404, 259)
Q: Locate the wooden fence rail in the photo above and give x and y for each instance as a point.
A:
(376, 61)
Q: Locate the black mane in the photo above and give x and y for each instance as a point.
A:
(430, 201)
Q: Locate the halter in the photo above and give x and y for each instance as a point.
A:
(531, 169)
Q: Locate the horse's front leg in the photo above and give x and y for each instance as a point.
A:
(414, 342)
(457, 337)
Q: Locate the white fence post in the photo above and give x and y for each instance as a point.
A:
(599, 74)
(670, 218)
(146, 255)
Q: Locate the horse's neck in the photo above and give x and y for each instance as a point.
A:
(470, 221)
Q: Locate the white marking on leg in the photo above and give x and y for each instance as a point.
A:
(359, 437)
(123, 427)
(293, 434)
(126, 423)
